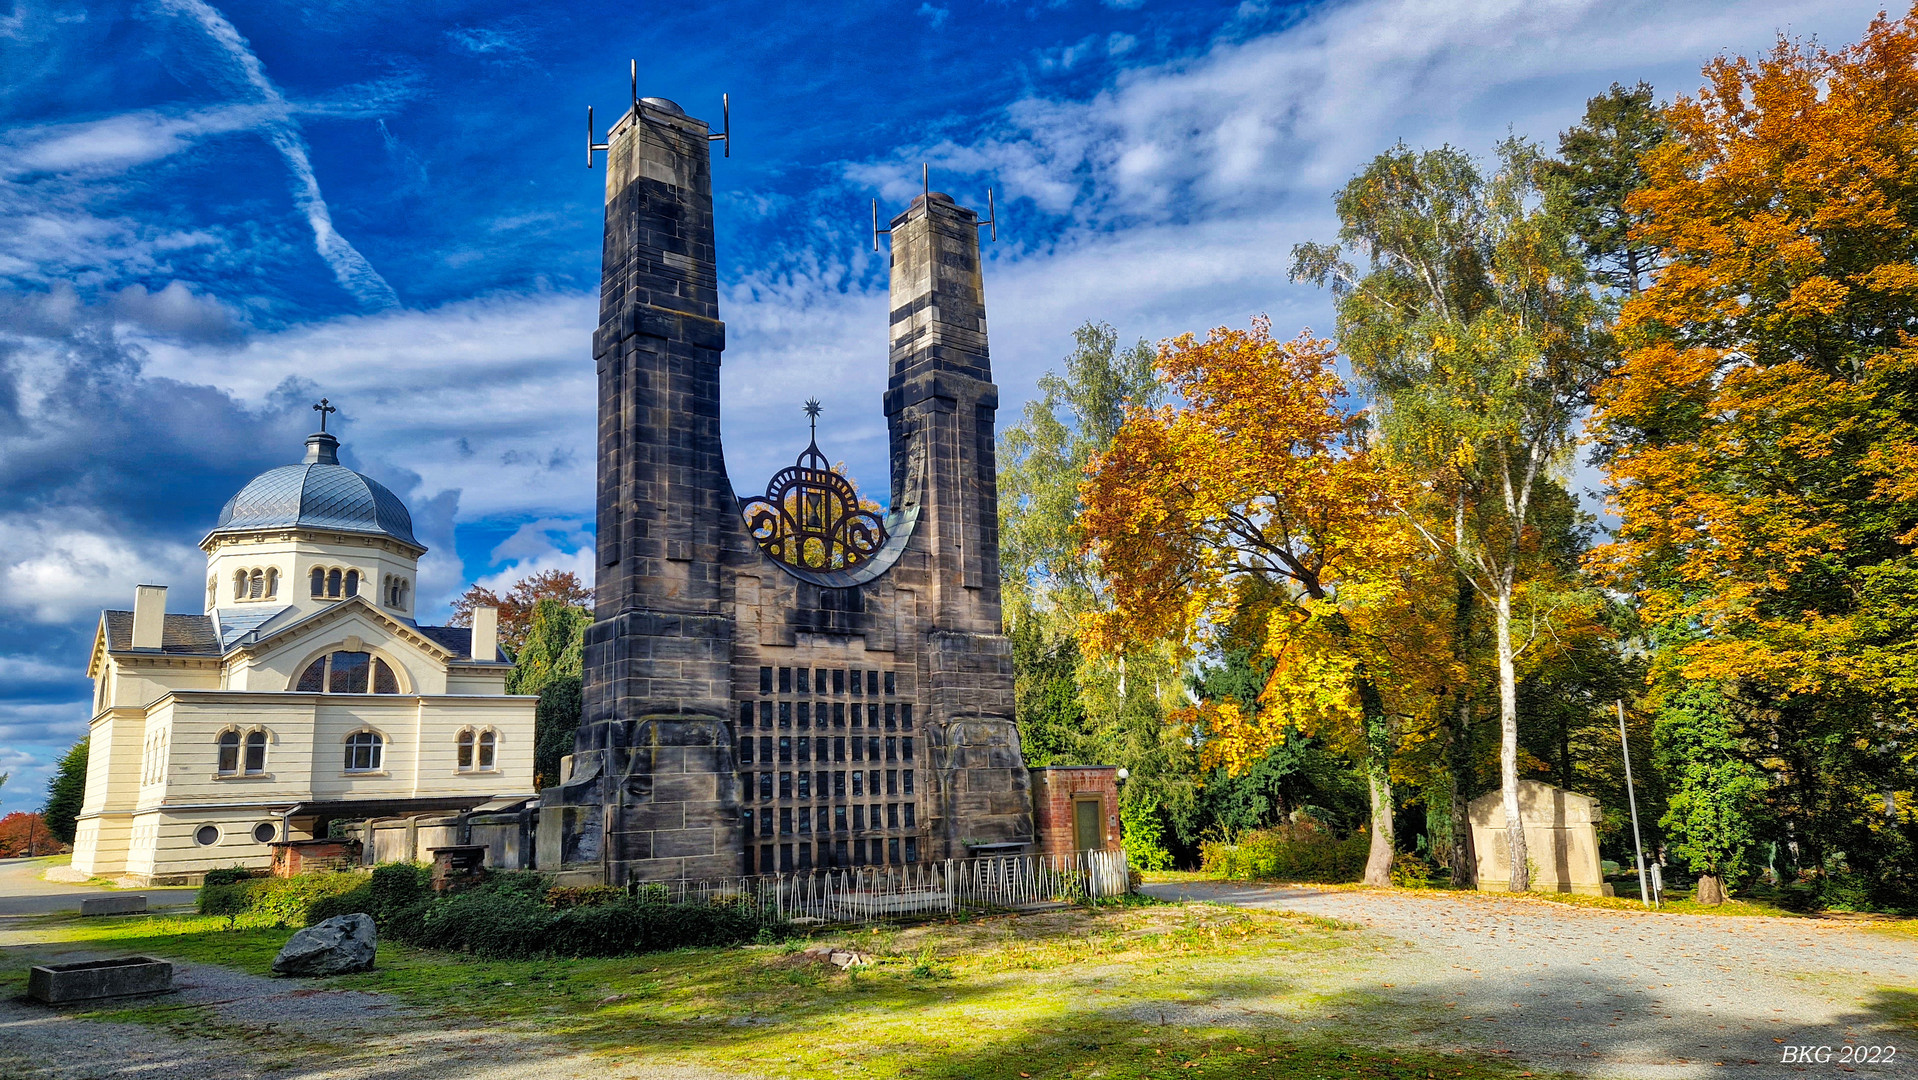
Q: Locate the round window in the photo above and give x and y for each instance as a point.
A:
(207, 835)
(264, 832)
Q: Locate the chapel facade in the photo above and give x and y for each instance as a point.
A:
(304, 693)
(784, 680)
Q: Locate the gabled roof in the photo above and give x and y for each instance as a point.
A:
(181, 635)
(236, 625)
(455, 641)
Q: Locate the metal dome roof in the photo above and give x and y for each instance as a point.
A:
(318, 493)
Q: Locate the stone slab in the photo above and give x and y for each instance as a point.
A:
(124, 976)
(113, 905)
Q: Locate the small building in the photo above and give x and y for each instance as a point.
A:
(1560, 840)
(1075, 808)
(305, 693)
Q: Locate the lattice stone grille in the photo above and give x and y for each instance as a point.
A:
(830, 769)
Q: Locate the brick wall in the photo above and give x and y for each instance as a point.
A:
(1054, 791)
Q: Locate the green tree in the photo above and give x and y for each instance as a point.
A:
(1600, 164)
(1051, 715)
(1714, 789)
(1474, 328)
(66, 790)
(550, 663)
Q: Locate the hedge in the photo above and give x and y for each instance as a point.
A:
(1288, 855)
(508, 915)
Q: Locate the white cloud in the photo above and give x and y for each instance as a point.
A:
(54, 572)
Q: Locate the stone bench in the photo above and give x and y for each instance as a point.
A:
(113, 905)
(121, 977)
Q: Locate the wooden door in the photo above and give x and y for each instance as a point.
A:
(1086, 833)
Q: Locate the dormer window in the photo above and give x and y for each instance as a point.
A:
(348, 673)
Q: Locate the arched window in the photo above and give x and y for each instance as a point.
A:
(256, 751)
(486, 740)
(239, 584)
(363, 752)
(352, 583)
(319, 582)
(229, 753)
(466, 749)
(348, 673)
(272, 584)
(256, 585)
(333, 583)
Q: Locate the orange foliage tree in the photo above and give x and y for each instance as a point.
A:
(516, 607)
(1262, 490)
(1763, 427)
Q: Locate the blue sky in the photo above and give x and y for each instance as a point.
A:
(213, 213)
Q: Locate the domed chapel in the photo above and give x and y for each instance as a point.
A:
(305, 693)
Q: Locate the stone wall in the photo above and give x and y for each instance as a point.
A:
(1055, 791)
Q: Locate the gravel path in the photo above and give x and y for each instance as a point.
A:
(1615, 993)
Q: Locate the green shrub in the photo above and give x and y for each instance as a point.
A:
(1409, 871)
(227, 875)
(283, 901)
(572, 896)
(358, 900)
(1287, 853)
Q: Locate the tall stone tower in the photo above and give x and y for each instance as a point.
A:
(788, 681)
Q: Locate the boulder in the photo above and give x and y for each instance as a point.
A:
(337, 946)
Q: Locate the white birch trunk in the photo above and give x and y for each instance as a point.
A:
(1508, 741)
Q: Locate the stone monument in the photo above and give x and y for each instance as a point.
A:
(789, 680)
(1559, 839)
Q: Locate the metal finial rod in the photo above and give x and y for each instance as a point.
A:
(635, 90)
(724, 135)
(323, 408)
(812, 414)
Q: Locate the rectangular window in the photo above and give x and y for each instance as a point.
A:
(838, 682)
(825, 820)
(824, 680)
(349, 672)
(785, 680)
(745, 750)
(785, 821)
(820, 780)
(839, 748)
(892, 815)
(905, 716)
(256, 752)
(892, 850)
(892, 748)
(785, 858)
(859, 816)
(839, 819)
(805, 815)
(858, 681)
(907, 785)
(765, 780)
(745, 714)
(892, 716)
(805, 714)
(766, 822)
(858, 782)
(749, 860)
(912, 849)
(805, 748)
(765, 749)
(785, 785)
(872, 748)
(839, 784)
(747, 817)
(905, 747)
(872, 683)
(839, 713)
(801, 677)
(858, 749)
(785, 748)
(872, 716)
(805, 785)
(765, 858)
(910, 815)
(805, 857)
(765, 714)
(765, 680)
(892, 687)
(872, 782)
(785, 714)
(839, 853)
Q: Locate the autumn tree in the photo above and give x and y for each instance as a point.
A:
(551, 664)
(516, 607)
(1473, 328)
(1762, 431)
(1262, 483)
(23, 833)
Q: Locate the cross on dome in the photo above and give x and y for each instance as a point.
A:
(323, 408)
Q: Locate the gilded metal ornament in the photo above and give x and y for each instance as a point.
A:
(810, 518)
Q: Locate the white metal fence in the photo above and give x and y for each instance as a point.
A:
(879, 894)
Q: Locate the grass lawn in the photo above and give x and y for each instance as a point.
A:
(1124, 993)
(1677, 902)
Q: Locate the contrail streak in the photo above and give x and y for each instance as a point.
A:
(350, 268)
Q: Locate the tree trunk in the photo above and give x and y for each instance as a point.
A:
(1464, 857)
(1711, 889)
(1378, 774)
(1508, 743)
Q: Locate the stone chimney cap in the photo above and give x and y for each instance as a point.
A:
(664, 105)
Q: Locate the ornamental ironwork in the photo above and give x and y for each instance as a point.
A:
(810, 517)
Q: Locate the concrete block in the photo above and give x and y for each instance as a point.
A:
(113, 905)
(124, 976)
